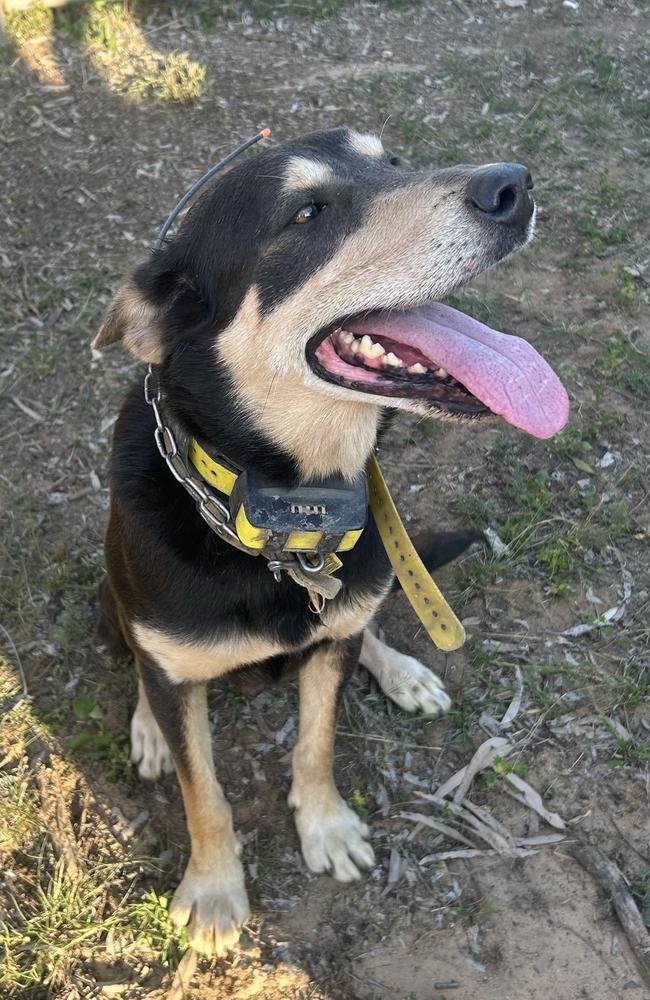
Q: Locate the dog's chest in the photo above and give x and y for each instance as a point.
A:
(201, 660)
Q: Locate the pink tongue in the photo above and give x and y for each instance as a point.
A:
(504, 372)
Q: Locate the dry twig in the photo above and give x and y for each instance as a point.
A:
(610, 879)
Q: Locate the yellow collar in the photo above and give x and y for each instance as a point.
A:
(424, 596)
(442, 625)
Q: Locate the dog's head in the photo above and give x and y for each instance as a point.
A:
(304, 285)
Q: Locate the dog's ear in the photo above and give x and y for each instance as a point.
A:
(134, 320)
(159, 306)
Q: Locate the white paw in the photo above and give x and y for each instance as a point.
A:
(404, 679)
(332, 837)
(414, 687)
(213, 907)
(149, 748)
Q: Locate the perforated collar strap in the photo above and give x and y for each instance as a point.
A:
(216, 473)
(426, 599)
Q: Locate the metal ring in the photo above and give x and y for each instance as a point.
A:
(211, 504)
(306, 566)
(195, 490)
(159, 435)
(177, 467)
(149, 397)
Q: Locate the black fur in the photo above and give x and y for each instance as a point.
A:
(166, 568)
(169, 705)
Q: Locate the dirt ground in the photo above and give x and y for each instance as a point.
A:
(106, 116)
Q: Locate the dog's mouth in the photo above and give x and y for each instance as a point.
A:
(446, 359)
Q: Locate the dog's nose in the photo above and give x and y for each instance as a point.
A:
(500, 191)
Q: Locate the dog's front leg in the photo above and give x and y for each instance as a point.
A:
(332, 836)
(211, 899)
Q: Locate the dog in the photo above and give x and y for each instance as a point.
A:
(295, 307)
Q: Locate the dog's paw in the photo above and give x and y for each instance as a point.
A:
(213, 907)
(413, 686)
(149, 748)
(404, 679)
(332, 837)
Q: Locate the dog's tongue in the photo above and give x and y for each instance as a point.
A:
(504, 372)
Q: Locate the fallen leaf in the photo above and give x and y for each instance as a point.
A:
(533, 800)
(582, 465)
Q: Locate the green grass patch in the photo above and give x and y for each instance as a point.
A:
(177, 79)
(501, 767)
(624, 366)
(148, 921)
(91, 739)
(630, 753)
(627, 289)
(113, 28)
(595, 231)
(479, 510)
(606, 76)
(56, 917)
(25, 25)
(579, 440)
(463, 715)
(359, 799)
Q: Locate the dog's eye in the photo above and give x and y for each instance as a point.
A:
(307, 213)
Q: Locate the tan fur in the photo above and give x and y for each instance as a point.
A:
(331, 835)
(313, 755)
(201, 661)
(324, 433)
(304, 173)
(195, 661)
(211, 899)
(367, 144)
(390, 262)
(134, 321)
(345, 620)
(209, 817)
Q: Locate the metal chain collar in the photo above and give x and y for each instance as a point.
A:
(213, 511)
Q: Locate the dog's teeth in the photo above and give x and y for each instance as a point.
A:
(375, 351)
(356, 346)
(392, 360)
(346, 337)
(366, 345)
(441, 372)
(417, 369)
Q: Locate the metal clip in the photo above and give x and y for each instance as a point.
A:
(278, 566)
(310, 567)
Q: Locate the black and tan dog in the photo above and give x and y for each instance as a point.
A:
(293, 307)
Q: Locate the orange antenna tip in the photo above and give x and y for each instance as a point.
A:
(265, 133)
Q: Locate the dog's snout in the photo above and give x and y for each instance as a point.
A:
(500, 191)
